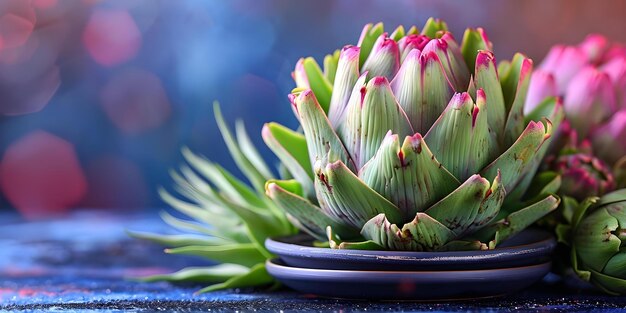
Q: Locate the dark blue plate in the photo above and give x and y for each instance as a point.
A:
(532, 246)
(408, 285)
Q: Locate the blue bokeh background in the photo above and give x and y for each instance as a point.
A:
(192, 52)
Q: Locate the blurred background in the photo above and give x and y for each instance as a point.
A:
(97, 97)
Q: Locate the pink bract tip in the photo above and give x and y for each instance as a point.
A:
(484, 58)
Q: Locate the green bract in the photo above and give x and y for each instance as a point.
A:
(228, 220)
(597, 236)
(413, 142)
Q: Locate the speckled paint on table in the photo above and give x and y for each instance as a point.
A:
(81, 264)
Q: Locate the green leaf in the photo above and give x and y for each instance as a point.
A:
(433, 26)
(344, 197)
(318, 83)
(422, 234)
(228, 184)
(422, 89)
(321, 139)
(246, 254)
(515, 86)
(336, 242)
(330, 66)
(408, 176)
(212, 274)
(250, 151)
(291, 148)
(367, 122)
(369, 35)
(247, 168)
(309, 215)
(460, 138)
(519, 158)
(486, 78)
(257, 276)
(470, 207)
(178, 240)
(611, 285)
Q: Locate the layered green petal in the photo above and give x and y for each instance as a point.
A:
(317, 82)
(474, 40)
(346, 78)
(460, 138)
(368, 120)
(310, 216)
(422, 89)
(470, 207)
(322, 141)
(384, 60)
(330, 66)
(422, 234)
(518, 159)
(344, 197)
(369, 35)
(515, 86)
(449, 54)
(433, 26)
(486, 77)
(409, 176)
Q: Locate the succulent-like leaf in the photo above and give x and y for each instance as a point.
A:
(471, 206)
(322, 141)
(460, 138)
(255, 177)
(369, 35)
(433, 26)
(309, 215)
(422, 234)
(179, 240)
(422, 89)
(212, 274)
(384, 60)
(246, 254)
(346, 78)
(474, 40)
(291, 148)
(257, 276)
(409, 176)
(250, 151)
(449, 54)
(411, 42)
(515, 86)
(336, 242)
(368, 120)
(344, 197)
(486, 78)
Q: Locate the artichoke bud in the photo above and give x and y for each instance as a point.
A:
(598, 241)
(582, 175)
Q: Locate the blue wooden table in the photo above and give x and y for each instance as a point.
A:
(81, 262)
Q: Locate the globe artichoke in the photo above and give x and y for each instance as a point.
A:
(413, 142)
(591, 77)
(597, 238)
(228, 220)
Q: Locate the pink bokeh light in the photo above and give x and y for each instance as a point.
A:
(111, 37)
(135, 101)
(41, 176)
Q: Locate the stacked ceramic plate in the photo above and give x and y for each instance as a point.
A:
(360, 274)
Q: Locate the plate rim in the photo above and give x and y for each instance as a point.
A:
(295, 250)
